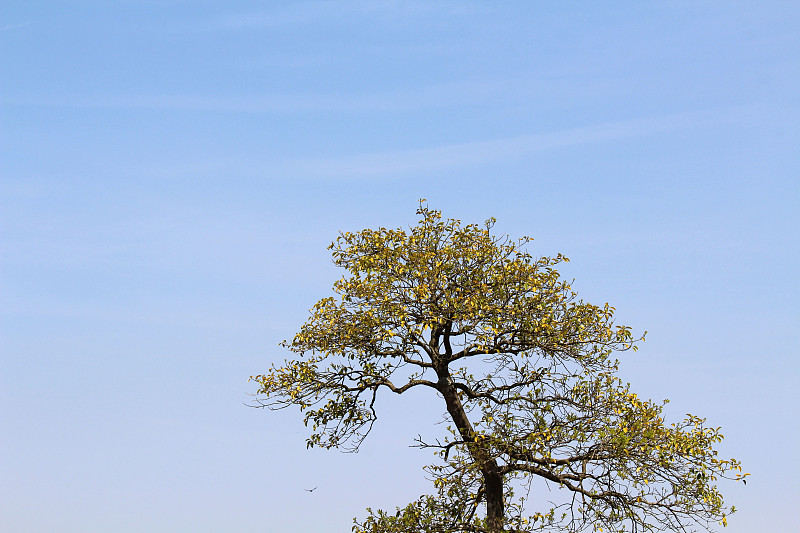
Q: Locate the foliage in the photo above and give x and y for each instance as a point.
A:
(525, 372)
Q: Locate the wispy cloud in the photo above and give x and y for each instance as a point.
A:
(442, 95)
(405, 162)
(463, 154)
(14, 26)
(278, 103)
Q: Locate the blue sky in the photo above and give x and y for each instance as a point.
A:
(171, 173)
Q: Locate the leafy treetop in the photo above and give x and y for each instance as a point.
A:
(525, 372)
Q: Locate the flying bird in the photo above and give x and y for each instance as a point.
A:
(310, 490)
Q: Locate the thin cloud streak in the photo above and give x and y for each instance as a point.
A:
(277, 104)
(456, 155)
(440, 95)
(14, 26)
(422, 160)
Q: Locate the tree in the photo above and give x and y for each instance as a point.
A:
(525, 373)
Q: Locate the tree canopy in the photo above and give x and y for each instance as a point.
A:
(524, 372)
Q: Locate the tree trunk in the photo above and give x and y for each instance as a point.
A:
(495, 509)
(492, 478)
